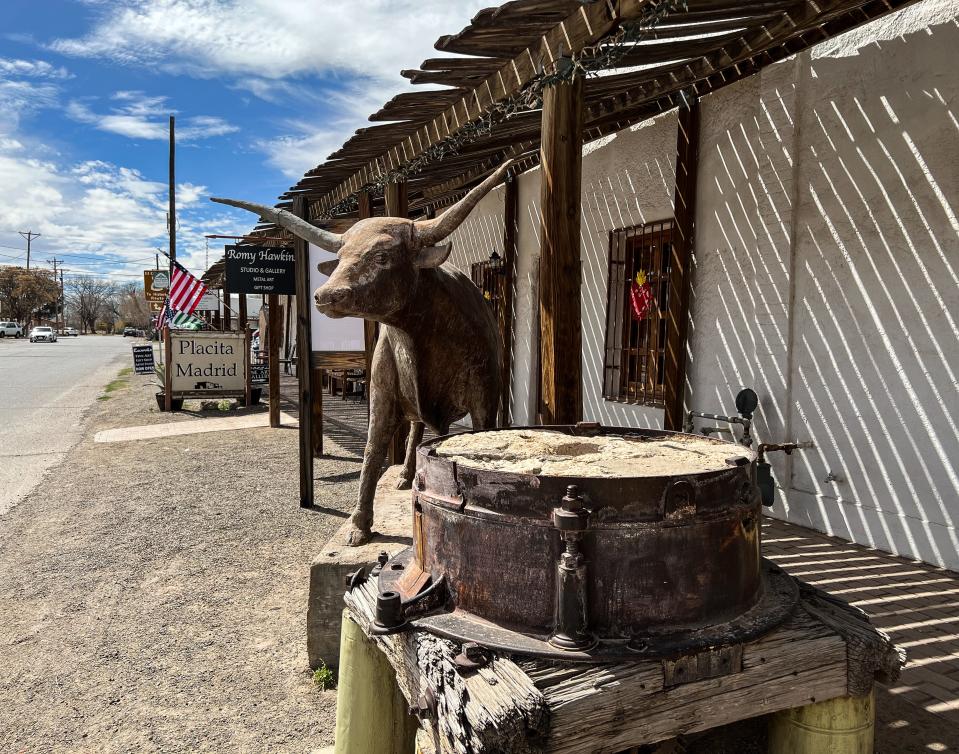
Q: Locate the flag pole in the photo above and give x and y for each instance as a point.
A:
(167, 371)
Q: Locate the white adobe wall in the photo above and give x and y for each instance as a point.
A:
(826, 273)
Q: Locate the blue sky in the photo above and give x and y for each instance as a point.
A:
(262, 90)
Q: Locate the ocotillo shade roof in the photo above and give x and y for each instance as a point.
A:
(697, 47)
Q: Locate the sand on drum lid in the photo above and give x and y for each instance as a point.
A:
(557, 454)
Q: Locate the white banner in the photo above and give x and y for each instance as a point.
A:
(345, 334)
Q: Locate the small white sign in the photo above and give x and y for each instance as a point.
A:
(208, 303)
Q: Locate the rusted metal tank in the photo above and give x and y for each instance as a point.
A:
(586, 566)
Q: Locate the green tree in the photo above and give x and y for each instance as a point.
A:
(22, 292)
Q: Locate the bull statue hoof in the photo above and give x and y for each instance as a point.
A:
(404, 484)
(361, 530)
(359, 537)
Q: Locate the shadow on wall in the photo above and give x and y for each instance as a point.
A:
(827, 277)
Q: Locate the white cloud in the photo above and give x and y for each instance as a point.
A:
(275, 50)
(103, 211)
(40, 69)
(271, 40)
(143, 117)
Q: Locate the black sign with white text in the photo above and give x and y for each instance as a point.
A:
(143, 359)
(260, 269)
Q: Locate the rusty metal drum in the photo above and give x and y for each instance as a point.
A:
(652, 558)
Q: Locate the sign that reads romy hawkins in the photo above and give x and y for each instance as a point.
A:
(208, 362)
(260, 269)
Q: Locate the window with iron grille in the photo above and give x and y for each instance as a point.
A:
(636, 309)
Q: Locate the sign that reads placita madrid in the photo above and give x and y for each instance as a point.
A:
(260, 269)
(208, 362)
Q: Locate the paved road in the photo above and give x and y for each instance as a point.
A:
(44, 390)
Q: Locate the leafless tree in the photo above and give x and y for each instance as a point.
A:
(91, 299)
(132, 306)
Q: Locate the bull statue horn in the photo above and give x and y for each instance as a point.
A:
(297, 226)
(430, 232)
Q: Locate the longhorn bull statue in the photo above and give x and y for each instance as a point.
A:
(437, 357)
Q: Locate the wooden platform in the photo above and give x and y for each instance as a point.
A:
(826, 649)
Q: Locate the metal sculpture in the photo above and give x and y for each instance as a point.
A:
(437, 358)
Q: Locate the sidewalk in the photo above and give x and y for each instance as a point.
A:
(916, 604)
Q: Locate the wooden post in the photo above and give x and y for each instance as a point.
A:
(304, 359)
(247, 388)
(372, 715)
(273, 344)
(167, 372)
(365, 207)
(397, 205)
(241, 314)
(317, 411)
(508, 286)
(227, 314)
(560, 267)
(680, 275)
(845, 725)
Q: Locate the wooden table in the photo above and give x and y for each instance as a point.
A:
(826, 650)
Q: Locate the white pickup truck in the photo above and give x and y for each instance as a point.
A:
(10, 330)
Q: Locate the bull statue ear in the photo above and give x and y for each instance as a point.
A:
(327, 268)
(432, 256)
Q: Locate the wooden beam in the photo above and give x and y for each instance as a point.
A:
(397, 205)
(560, 267)
(680, 274)
(510, 234)
(365, 210)
(241, 313)
(304, 366)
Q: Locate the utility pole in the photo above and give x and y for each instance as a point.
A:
(29, 235)
(172, 190)
(55, 262)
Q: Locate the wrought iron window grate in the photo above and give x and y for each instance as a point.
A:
(635, 353)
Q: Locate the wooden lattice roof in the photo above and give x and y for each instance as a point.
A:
(696, 49)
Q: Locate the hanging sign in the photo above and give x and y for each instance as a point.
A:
(208, 303)
(260, 269)
(340, 336)
(156, 285)
(143, 359)
(208, 363)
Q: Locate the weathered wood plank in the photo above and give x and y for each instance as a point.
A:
(304, 366)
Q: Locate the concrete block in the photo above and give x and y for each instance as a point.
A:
(393, 525)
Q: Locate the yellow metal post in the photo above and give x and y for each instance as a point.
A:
(372, 716)
(845, 725)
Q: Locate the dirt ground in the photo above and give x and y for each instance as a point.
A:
(152, 598)
(154, 592)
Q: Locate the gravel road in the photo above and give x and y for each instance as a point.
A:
(45, 388)
(154, 592)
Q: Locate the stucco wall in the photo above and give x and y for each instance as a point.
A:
(826, 273)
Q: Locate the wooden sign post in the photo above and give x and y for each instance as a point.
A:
(273, 343)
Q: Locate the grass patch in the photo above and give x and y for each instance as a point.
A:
(114, 385)
(125, 372)
(324, 677)
(103, 398)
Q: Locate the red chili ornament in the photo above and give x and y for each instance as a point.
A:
(640, 296)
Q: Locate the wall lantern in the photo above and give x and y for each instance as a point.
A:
(496, 263)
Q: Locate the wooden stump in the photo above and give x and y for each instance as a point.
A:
(372, 716)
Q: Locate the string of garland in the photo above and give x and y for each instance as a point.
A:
(588, 62)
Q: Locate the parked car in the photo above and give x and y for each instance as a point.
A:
(10, 330)
(129, 332)
(46, 334)
(70, 331)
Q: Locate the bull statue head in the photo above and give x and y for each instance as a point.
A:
(379, 259)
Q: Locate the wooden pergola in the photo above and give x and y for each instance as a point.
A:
(535, 79)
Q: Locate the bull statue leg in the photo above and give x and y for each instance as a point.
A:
(385, 418)
(409, 463)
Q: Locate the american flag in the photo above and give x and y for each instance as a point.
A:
(185, 289)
